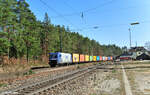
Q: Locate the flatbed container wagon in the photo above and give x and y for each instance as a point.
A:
(91, 58)
(75, 58)
(86, 58)
(101, 58)
(94, 58)
(82, 58)
(109, 58)
(97, 58)
(106, 58)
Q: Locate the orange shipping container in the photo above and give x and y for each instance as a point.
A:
(101, 58)
(94, 58)
(75, 57)
(86, 58)
(106, 58)
(111, 58)
(82, 58)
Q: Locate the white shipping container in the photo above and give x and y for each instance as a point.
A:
(103, 58)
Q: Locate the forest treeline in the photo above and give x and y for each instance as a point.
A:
(23, 36)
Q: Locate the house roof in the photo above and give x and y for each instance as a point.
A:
(126, 55)
(143, 56)
(135, 49)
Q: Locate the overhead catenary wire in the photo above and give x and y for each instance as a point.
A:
(99, 26)
(81, 15)
(107, 26)
(91, 9)
(58, 13)
(108, 11)
(86, 10)
(101, 5)
(71, 8)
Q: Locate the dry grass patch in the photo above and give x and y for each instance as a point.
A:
(10, 71)
(11, 68)
(39, 64)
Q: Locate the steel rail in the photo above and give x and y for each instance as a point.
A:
(34, 88)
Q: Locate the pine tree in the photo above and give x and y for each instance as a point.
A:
(27, 25)
(45, 32)
(8, 22)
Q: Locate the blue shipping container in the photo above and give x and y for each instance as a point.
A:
(109, 58)
(97, 58)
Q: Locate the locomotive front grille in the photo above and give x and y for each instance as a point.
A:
(53, 61)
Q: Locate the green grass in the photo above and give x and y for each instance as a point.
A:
(78, 67)
(30, 72)
(93, 94)
(3, 85)
(113, 71)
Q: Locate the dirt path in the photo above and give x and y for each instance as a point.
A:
(126, 83)
(139, 80)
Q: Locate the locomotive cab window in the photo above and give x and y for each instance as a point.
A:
(53, 56)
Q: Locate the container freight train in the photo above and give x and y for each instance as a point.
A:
(67, 58)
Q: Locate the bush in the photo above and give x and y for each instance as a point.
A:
(30, 72)
(114, 71)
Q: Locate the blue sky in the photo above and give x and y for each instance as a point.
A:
(112, 17)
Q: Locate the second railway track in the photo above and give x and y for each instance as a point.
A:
(42, 86)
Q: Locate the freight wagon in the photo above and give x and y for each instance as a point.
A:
(87, 58)
(94, 58)
(82, 58)
(101, 58)
(75, 58)
(97, 58)
(91, 58)
(67, 58)
(108, 58)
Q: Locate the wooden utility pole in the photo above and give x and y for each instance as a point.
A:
(60, 40)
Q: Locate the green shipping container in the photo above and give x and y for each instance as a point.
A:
(91, 58)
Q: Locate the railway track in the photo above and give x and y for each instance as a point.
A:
(47, 84)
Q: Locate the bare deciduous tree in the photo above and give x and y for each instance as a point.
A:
(147, 45)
